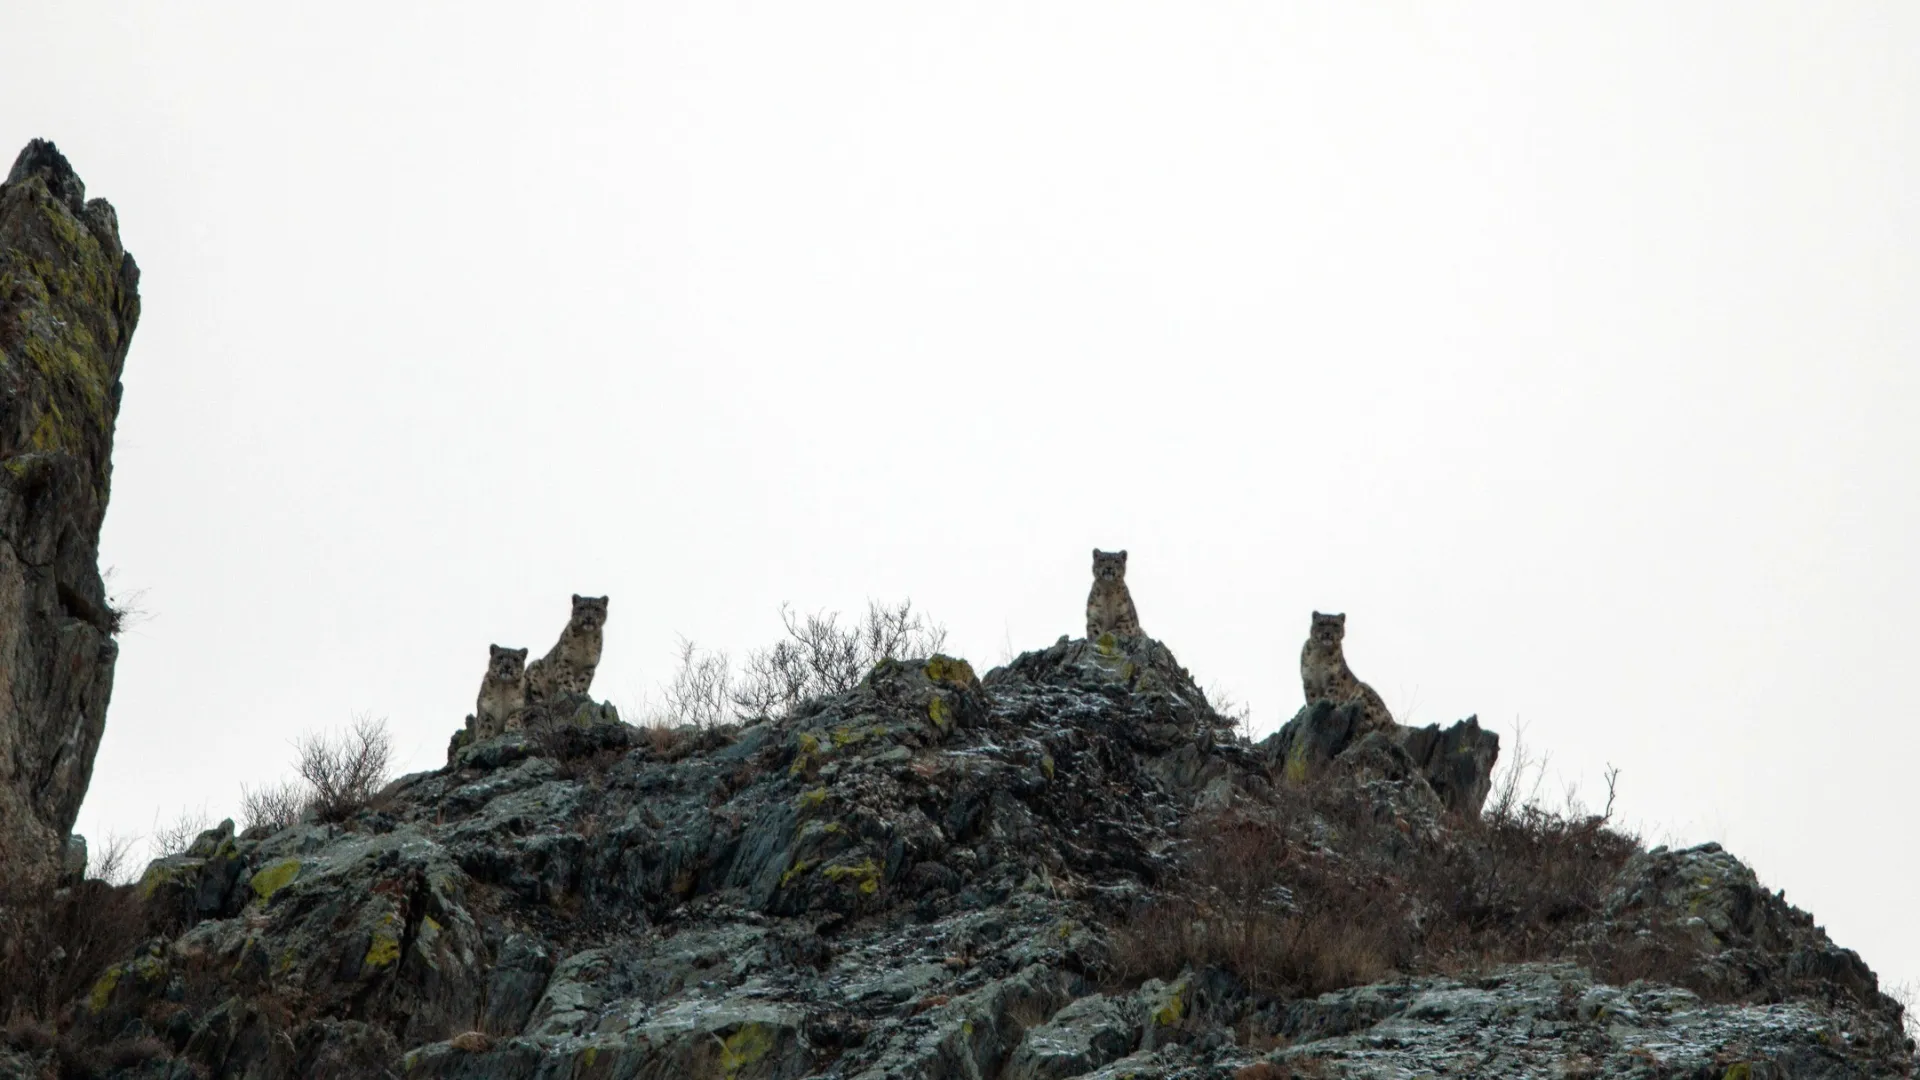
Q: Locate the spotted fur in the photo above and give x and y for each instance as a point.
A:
(1325, 676)
(1110, 606)
(568, 666)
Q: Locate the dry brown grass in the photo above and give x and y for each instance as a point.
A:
(1310, 892)
(54, 945)
(1257, 901)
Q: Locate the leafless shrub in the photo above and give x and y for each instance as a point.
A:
(345, 770)
(177, 837)
(125, 608)
(1517, 781)
(1237, 712)
(1907, 995)
(820, 656)
(113, 862)
(54, 944)
(701, 691)
(275, 806)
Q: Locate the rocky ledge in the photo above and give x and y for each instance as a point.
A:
(1029, 876)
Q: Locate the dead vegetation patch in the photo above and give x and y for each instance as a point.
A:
(1312, 889)
(55, 944)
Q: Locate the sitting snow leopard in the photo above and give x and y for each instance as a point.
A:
(503, 693)
(1325, 676)
(568, 666)
(1110, 605)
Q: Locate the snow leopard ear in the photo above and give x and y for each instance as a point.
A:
(521, 653)
(1123, 556)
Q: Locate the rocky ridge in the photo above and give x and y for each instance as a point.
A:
(932, 875)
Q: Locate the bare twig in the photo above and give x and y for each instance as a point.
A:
(1613, 789)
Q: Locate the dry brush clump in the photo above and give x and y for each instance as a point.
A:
(1310, 889)
(273, 807)
(345, 770)
(339, 774)
(821, 654)
(1256, 897)
(55, 942)
(179, 834)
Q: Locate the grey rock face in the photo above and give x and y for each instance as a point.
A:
(1457, 763)
(1550, 1020)
(69, 301)
(1759, 943)
(1081, 1037)
(921, 877)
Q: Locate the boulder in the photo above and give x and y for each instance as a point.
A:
(1081, 1037)
(203, 882)
(1455, 763)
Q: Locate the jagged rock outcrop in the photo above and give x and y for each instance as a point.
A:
(1456, 763)
(931, 875)
(69, 301)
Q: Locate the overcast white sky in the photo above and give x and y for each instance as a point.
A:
(1572, 354)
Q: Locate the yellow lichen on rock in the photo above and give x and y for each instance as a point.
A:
(274, 877)
(102, 991)
(157, 874)
(1296, 768)
(948, 669)
(806, 758)
(744, 1048)
(384, 950)
(865, 876)
(1170, 1013)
